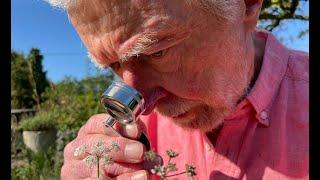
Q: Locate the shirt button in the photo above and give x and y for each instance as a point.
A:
(263, 115)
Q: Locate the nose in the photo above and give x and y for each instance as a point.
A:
(137, 75)
(145, 80)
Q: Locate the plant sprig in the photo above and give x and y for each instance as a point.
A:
(98, 151)
(164, 170)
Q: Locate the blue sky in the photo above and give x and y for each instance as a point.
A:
(35, 24)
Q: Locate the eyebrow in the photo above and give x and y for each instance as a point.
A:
(141, 45)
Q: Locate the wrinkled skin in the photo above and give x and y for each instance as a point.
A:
(195, 71)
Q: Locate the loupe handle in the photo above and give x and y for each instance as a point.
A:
(143, 138)
(109, 123)
(124, 104)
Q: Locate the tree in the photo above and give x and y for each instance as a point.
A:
(275, 11)
(28, 80)
(37, 76)
(21, 90)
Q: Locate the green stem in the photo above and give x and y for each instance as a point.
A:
(98, 172)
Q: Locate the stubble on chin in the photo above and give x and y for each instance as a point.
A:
(200, 116)
(204, 118)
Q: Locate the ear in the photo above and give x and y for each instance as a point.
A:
(252, 13)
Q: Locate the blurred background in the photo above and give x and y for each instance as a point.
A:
(55, 88)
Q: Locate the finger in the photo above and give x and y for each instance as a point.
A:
(133, 130)
(95, 125)
(138, 175)
(130, 151)
(117, 169)
(75, 170)
(78, 169)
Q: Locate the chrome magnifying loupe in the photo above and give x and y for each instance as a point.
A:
(123, 103)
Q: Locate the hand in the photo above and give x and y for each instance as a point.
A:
(127, 161)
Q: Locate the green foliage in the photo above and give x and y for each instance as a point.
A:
(275, 11)
(165, 171)
(24, 173)
(28, 80)
(75, 101)
(21, 90)
(68, 105)
(41, 121)
(40, 166)
(39, 74)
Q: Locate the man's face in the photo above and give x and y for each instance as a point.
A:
(191, 64)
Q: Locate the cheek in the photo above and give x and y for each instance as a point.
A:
(167, 65)
(187, 84)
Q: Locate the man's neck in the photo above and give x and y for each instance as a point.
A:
(259, 43)
(213, 135)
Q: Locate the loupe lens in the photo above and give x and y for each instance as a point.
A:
(122, 102)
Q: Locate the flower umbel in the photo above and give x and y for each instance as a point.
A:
(191, 170)
(98, 151)
(171, 153)
(80, 150)
(149, 155)
(164, 170)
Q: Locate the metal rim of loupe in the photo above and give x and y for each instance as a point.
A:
(118, 109)
(129, 91)
(120, 112)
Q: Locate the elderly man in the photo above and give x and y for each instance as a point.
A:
(229, 98)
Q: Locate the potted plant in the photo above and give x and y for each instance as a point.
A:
(39, 132)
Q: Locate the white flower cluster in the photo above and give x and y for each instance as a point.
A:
(99, 151)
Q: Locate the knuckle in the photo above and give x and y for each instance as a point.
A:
(113, 170)
(94, 118)
(75, 170)
(67, 152)
(64, 172)
(82, 131)
(117, 169)
(92, 125)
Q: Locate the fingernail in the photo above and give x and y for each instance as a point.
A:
(131, 130)
(139, 175)
(133, 151)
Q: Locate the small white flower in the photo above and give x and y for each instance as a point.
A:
(115, 146)
(91, 160)
(98, 149)
(80, 150)
(107, 160)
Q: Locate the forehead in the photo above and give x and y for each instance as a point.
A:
(126, 16)
(109, 28)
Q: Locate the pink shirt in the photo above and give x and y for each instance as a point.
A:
(265, 138)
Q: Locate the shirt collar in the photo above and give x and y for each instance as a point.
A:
(268, 82)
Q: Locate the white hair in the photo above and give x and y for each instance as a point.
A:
(64, 4)
(224, 9)
(140, 46)
(95, 62)
(221, 9)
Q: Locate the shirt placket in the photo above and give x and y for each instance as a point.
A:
(222, 159)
